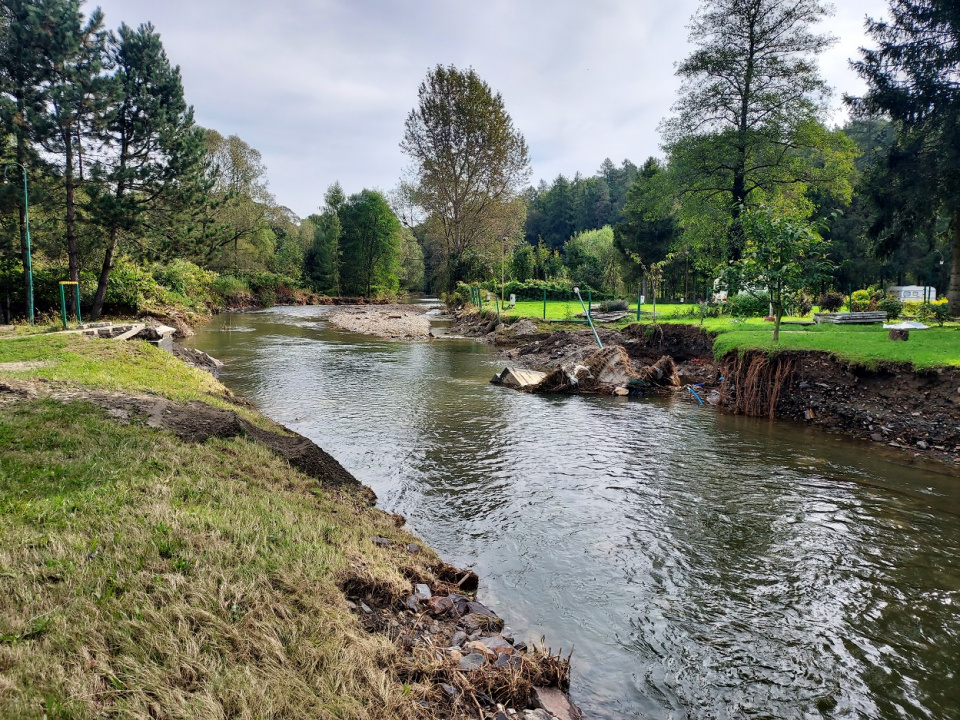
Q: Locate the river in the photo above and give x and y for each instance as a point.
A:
(700, 565)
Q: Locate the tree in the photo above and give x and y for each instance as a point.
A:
(468, 161)
(593, 260)
(747, 122)
(239, 214)
(912, 78)
(155, 162)
(77, 98)
(783, 255)
(370, 244)
(649, 229)
(323, 259)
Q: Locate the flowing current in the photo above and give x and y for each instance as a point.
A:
(699, 565)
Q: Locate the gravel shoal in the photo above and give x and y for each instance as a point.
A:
(396, 322)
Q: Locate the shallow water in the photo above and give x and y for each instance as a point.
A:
(701, 565)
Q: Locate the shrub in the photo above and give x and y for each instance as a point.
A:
(831, 301)
(802, 305)
(934, 312)
(231, 288)
(891, 306)
(747, 305)
(613, 306)
(186, 279)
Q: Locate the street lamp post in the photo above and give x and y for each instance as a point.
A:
(27, 262)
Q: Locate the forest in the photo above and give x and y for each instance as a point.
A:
(109, 181)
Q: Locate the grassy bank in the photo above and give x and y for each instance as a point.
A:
(142, 576)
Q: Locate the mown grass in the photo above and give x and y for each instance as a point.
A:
(142, 577)
(866, 344)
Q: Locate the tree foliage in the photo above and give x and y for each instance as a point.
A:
(784, 255)
(469, 163)
(746, 127)
(914, 78)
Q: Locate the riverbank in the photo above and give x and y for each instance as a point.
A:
(910, 410)
(168, 550)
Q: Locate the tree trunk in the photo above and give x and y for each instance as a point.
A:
(953, 293)
(24, 252)
(104, 279)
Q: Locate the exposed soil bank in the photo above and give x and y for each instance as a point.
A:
(917, 411)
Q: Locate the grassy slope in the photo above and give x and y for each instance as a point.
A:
(144, 577)
(866, 344)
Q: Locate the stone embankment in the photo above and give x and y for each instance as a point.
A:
(394, 322)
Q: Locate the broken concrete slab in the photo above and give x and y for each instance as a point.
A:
(518, 378)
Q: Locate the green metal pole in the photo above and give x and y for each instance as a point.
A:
(76, 305)
(544, 303)
(639, 297)
(589, 319)
(589, 303)
(63, 307)
(26, 222)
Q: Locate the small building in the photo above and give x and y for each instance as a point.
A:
(912, 293)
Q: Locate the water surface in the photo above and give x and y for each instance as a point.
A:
(701, 565)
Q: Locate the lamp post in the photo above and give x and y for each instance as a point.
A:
(27, 263)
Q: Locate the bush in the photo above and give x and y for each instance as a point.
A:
(891, 306)
(937, 312)
(186, 280)
(613, 306)
(747, 305)
(232, 289)
(802, 305)
(831, 301)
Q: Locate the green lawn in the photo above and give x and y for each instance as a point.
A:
(867, 344)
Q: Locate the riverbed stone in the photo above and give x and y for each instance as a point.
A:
(877, 437)
(382, 541)
(473, 661)
(440, 605)
(459, 638)
(556, 703)
(412, 603)
(422, 592)
(497, 644)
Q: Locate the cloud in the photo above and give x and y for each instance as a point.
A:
(322, 87)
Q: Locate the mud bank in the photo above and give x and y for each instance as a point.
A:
(913, 411)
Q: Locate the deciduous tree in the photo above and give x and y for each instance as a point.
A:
(468, 161)
(747, 122)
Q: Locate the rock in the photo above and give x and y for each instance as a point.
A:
(877, 437)
(504, 660)
(556, 703)
(475, 646)
(351, 605)
(507, 635)
(422, 592)
(459, 638)
(382, 541)
(497, 644)
(365, 608)
(413, 549)
(412, 603)
(454, 654)
(923, 445)
(520, 646)
(474, 661)
(460, 603)
(440, 605)
(538, 714)
(449, 690)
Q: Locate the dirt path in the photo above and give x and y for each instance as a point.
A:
(395, 322)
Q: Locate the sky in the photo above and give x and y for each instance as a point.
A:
(322, 87)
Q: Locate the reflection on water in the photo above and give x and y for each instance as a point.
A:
(702, 565)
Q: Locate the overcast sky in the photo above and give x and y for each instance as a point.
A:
(322, 87)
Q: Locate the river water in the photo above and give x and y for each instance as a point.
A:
(700, 565)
